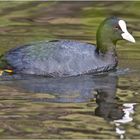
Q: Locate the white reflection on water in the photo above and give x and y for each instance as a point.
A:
(128, 111)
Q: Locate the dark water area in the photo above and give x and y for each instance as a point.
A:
(102, 106)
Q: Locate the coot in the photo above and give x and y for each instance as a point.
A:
(61, 58)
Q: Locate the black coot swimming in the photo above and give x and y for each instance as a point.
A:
(61, 58)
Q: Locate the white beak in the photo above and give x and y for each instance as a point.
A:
(128, 36)
(125, 35)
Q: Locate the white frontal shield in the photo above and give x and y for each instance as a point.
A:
(125, 35)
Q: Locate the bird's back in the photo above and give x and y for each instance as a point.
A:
(55, 58)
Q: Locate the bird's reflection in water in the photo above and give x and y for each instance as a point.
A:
(71, 89)
(108, 108)
(82, 88)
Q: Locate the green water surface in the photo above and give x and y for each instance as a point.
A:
(83, 107)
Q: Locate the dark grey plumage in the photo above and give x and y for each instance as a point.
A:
(59, 58)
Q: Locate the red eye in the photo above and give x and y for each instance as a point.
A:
(116, 27)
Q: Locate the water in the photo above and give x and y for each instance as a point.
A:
(88, 106)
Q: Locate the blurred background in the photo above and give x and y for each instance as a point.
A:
(22, 22)
(29, 115)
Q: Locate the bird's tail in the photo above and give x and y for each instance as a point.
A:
(3, 63)
(4, 67)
